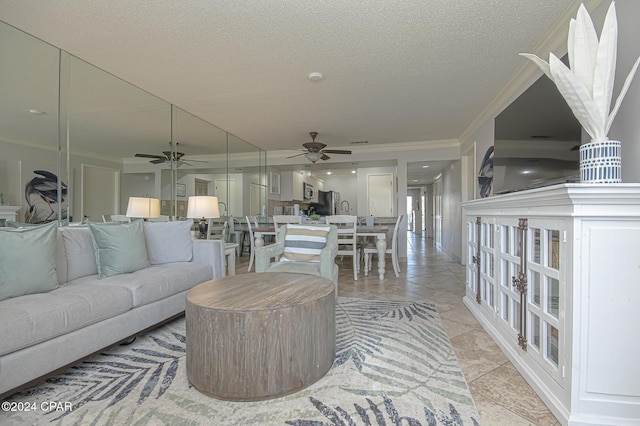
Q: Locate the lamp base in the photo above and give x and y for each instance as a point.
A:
(202, 227)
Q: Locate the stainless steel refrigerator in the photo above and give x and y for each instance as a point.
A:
(328, 203)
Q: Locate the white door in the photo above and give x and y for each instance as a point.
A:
(100, 192)
(380, 195)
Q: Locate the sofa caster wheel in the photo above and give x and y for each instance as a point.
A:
(128, 341)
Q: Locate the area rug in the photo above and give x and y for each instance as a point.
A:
(394, 366)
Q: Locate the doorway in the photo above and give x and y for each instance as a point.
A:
(437, 210)
(201, 187)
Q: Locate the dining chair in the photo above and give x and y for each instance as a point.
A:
(217, 229)
(282, 219)
(347, 238)
(252, 222)
(369, 250)
(302, 249)
(234, 235)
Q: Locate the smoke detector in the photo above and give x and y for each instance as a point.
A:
(315, 76)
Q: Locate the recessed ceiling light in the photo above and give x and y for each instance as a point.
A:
(315, 76)
(526, 172)
(35, 111)
(353, 171)
(329, 172)
(424, 167)
(415, 180)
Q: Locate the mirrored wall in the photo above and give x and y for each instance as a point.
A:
(77, 142)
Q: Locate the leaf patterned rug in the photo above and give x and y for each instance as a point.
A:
(394, 365)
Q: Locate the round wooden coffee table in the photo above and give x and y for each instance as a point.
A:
(259, 336)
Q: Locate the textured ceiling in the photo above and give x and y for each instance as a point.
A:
(395, 71)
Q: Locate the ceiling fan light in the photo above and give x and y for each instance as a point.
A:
(313, 156)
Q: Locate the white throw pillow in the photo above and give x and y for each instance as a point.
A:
(169, 242)
(304, 243)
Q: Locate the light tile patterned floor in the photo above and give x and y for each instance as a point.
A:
(500, 392)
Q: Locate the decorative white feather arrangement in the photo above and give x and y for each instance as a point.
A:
(587, 86)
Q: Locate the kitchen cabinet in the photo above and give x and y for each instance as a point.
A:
(298, 180)
(286, 186)
(552, 276)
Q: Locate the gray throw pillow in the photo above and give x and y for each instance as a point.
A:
(169, 241)
(28, 262)
(119, 248)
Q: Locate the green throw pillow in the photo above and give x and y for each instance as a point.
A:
(119, 248)
(28, 262)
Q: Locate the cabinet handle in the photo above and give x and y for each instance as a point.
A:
(520, 283)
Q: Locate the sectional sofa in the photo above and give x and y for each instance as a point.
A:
(67, 293)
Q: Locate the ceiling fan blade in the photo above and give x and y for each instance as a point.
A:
(197, 161)
(158, 161)
(336, 151)
(324, 156)
(149, 156)
(297, 155)
(314, 146)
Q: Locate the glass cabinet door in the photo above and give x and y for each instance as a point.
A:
(508, 265)
(546, 293)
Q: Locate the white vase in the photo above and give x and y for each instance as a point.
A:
(600, 162)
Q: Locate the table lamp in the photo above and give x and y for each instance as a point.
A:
(143, 207)
(203, 207)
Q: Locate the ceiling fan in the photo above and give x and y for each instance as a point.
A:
(169, 156)
(315, 150)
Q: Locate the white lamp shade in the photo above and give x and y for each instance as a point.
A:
(143, 207)
(203, 206)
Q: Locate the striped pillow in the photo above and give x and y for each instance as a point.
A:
(304, 243)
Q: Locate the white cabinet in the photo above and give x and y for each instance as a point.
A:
(286, 186)
(298, 180)
(553, 275)
(8, 212)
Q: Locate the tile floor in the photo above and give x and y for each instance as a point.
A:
(501, 394)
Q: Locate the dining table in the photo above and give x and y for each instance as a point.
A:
(379, 232)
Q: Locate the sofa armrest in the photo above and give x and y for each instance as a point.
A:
(210, 252)
(327, 261)
(266, 253)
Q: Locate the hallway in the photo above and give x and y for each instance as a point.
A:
(501, 394)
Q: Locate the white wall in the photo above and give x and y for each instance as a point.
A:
(626, 126)
(347, 186)
(136, 185)
(451, 210)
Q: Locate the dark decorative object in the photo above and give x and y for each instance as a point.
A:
(485, 176)
(41, 194)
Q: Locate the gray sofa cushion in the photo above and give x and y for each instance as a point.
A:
(31, 319)
(169, 241)
(78, 249)
(158, 281)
